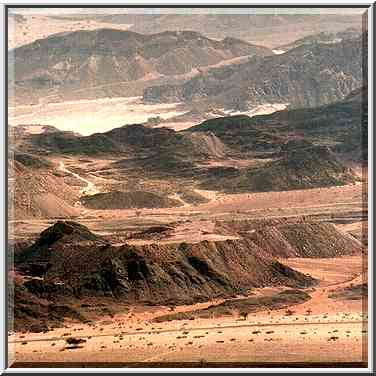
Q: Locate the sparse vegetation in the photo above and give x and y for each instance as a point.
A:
(246, 305)
(244, 315)
(74, 341)
(354, 292)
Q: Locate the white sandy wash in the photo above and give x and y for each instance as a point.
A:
(263, 109)
(92, 115)
(89, 189)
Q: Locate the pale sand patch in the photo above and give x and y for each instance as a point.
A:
(90, 116)
(263, 109)
(31, 30)
(34, 129)
(307, 198)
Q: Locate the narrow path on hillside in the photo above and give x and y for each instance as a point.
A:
(89, 189)
(177, 197)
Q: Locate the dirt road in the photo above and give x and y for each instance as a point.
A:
(89, 189)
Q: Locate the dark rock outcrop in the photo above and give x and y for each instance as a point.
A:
(343, 125)
(301, 165)
(157, 273)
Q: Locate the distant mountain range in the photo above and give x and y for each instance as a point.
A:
(306, 76)
(264, 29)
(185, 66)
(323, 37)
(97, 63)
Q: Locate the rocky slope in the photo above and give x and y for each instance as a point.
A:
(306, 76)
(323, 38)
(133, 140)
(65, 63)
(73, 262)
(35, 314)
(306, 240)
(300, 165)
(263, 29)
(36, 191)
(341, 125)
(128, 200)
(68, 262)
(294, 237)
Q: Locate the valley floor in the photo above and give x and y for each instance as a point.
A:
(343, 205)
(320, 330)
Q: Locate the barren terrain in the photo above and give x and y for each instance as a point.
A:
(113, 113)
(331, 331)
(321, 330)
(176, 199)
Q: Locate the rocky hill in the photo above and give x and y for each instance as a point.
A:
(323, 38)
(31, 161)
(341, 125)
(137, 147)
(300, 166)
(133, 140)
(241, 133)
(306, 76)
(299, 145)
(128, 200)
(263, 29)
(305, 240)
(72, 64)
(68, 262)
(75, 264)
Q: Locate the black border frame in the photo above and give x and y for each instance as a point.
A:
(6, 193)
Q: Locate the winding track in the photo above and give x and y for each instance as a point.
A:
(90, 188)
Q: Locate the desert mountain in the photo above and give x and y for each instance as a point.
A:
(260, 28)
(133, 141)
(300, 165)
(298, 146)
(135, 150)
(341, 125)
(323, 38)
(263, 29)
(68, 262)
(306, 76)
(73, 261)
(85, 60)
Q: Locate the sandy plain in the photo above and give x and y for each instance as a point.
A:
(333, 330)
(323, 330)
